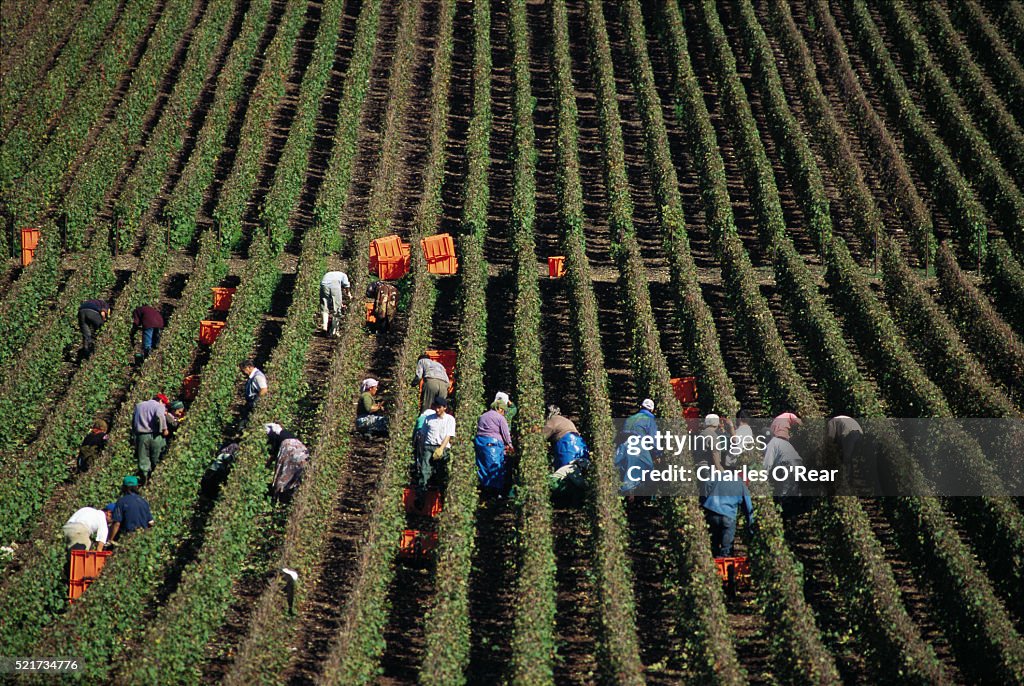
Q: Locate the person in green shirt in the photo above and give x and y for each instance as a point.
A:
(370, 417)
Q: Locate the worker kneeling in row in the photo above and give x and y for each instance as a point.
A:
(571, 458)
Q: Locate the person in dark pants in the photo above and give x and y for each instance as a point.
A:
(720, 500)
(151, 322)
(91, 315)
(92, 445)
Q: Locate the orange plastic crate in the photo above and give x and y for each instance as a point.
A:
(439, 252)
(432, 503)
(417, 544)
(388, 247)
(209, 330)
(190, 387)
(556, 267)
(693, 418)
(85, 567)
(371, 318)
(27, 256)
(29, 239)
(222, 298)
(392, 268)
(446, 357)
(685, 389)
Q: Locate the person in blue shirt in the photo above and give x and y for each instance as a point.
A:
(640, 424)
(131, 511)
(721, 498)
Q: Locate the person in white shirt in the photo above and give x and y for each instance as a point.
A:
(255, 383)
(334, 288)
(436, 438)
(87, 524)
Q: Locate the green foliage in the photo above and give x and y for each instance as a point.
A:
(183, 206)
(974, 154)
(34, 377)
(32, 164)
(997, 346)
(1004, 278)
(43, 464)
(1001, 63)
(21, 308)
(21, 77)
(933, 160)
(533, 635)
(99, 170)
(887, 159)
(252, 140)
(975, 90)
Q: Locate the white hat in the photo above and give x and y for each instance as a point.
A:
(712, 420)
(502, 395)
(368, 384)
(272, 428)
(648, 404)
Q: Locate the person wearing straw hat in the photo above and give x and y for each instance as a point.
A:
(370, 416)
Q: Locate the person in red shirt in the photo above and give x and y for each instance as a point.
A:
(149, 319)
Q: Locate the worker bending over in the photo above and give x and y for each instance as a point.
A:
(91, 315)
(334, 289)
(435, 381)
(87, 524)
(492, 443)
(149, 320)
(131, 511)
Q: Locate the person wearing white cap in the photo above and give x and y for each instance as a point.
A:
(511, 408)
(370, 416)
(706, 443)
(637, 425)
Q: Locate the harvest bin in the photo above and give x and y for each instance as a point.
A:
(209, 330)
(85, 567)
(556, 266)
(432, 503)
(29, 243)
(389, 258)
(222, 298)
(439, 252)
(417, 544)
(190, 387)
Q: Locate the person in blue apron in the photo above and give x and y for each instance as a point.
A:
(630, 453)
(564, 437)
(492, 443)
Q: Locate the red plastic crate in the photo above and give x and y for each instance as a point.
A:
(556, 267)
(85, 567)
(417, 544)
(209, 331)
(685, 389)
(371, 318)
(392, 268)
(734, 572)
(222, 298)
(190, 387)
(432, 503)
(693, 418)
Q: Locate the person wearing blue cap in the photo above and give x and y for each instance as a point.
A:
(131, 511)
